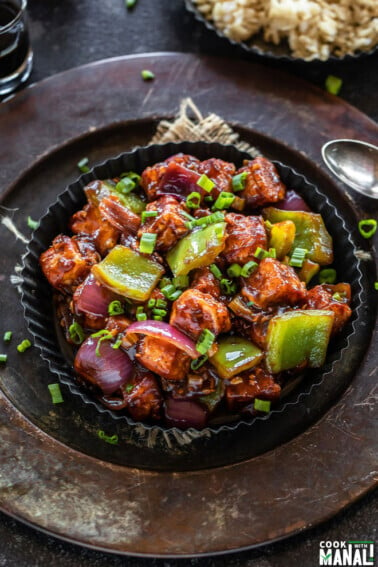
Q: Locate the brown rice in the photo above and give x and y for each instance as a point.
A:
(312, 28)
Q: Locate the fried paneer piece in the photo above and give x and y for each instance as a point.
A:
(242, 391)
(163, 358)
(274, 283)
(244, 235)
(143, 397)
(322, 297)
(219, 171)
(68, 261)
(263, 184)
(169, 225)
(90, 221)
(195, 311)
(205, 281)
(152, 176)
(118, 215)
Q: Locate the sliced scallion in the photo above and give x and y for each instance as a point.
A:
(7, 336)
(205, 183)
(297, 258)
(333, 84)
(224, 201)
(216, 271)
(125, 185)
(367, 227)
(193, 200)
(198, 362)
(113, 439)
(3, 357)
(32, 223)
(262, 405)
(205, 341)
(83, 165)
(147, 242)
(115, 308)
(56, 394)
(234, 271)
(76, 333)
(239, 181)
(148, 215)
(228, 286)
(327, 275)
(248, 269)
(147, 75)
(24, 345)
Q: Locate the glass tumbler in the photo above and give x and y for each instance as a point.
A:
(16, 56)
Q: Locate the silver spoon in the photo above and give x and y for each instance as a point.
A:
(355, 163)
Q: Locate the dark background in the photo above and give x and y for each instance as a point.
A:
(68, 33)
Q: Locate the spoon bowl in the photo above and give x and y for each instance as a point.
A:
(355, 163)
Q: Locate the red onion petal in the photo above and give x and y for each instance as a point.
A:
(184, 414)
(93, 298)
(109, 371)
(166, 332)
(292, 202)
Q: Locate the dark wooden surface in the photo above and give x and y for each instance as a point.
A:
(72, 33)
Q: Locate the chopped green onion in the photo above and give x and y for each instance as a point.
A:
(193, 200)
(338, 296)
(135, 177)
(328, 275)
(76, 333)
(214, 218)
(272, 253)
(216, 271)
(228, 286)
(24, 345)
(130, 4)
(238, 181)
(115, 308)
(181, 282)
(234, 271)
(333, 84)
(168, 290)
(32, 223)
(113, 440)
(297, 258)
(205, 341)
(103, 335)
(151, 303)
(208, 199)
(164, 282)
(260, 253)
(147, 242)
(118, 342)
(140, 309)
(367, 227)
(160, 312)
(224, 201)
(129, 388)
(7, 336)
(175, 295)
(205, 183)
(56, 394)
(157, 318)
(83, 165)
(198, 362)
(262, 405)
(161, 303)
(3, 357)
(147, 75)
(141, 317)
(125, 186)
(248, 269)
(148, 215)
(376, 286)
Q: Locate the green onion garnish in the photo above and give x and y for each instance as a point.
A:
(205, 183)
(125, 185)
(159, 312)
(328, 275)
(113, 440)
(224, 201)
(193, 200)
(164, 282)
(198, 362)
(181, 282)
(56, 394)
(24, 345)
(248, 269)
(147, 75)
(238, 181)
(129, 388)
(205, 341)
(297, 258)
(208, 199)
(272, 253)
(216, 271)
(148, 215)
(130, 4)
(260, 253)
(333, 84)
(161, 303)
(147, 242)
(103, 335)
(32, 223)
(76, 333)
(141, 317)
(262, 405)
(228, 286)
(132, 175)
(338, 296)
(206, 221)
(234, 271)
(7, 336)
(151, 303)
(83, 165)
(3, 357)
(367, 227)
(118, 342)
(168, 290)
(175, 295)
(157, 318)
(376, 286)
(115, 308)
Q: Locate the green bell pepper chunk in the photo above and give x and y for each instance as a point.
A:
(128, 273)
(297, 337)
(198, 249)
(310, 233)
(234, 355)
(97, 190)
